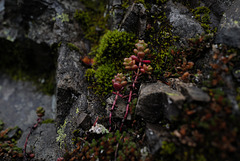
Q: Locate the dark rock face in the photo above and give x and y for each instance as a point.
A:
(135, 19)
(70, 81)
(157, 101)
(184, 25)
(218, 7)
(229, 27)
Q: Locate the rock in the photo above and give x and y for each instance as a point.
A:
(116, 14)
(155, 136)
(120, 108)
(48, 24)
(83, 121)
(157, 101)
(229, 27)
(190, 90)
(117, 2)
(218, 7)
(70, 81)
(184, 25)
(20, 100)
(195, 94)
(135, 19)
(51, 21)
(43, 143)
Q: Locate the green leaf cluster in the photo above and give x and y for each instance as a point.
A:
(160, 40)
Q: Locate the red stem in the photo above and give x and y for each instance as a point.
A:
(95, 121)
(31, 131)
(130, 96)
(110, 115)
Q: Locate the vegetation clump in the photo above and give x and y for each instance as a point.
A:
(113, 47)
(112, 146)
(191, 137)
(202, 15)
(93, 20)
(8, 147)
(160, 38)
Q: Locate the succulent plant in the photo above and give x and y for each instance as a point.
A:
(119, 81)
(141, 50)
(129, 64)
(40, 112)
(146, 69)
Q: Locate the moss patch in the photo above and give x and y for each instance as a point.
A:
(93, 20)
(114, 46)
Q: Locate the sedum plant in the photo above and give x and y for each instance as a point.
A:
(137, 65)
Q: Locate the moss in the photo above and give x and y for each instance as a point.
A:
(83, 18)
(125, 4)
(202, 15)
(93, 20)
(167, 148)
(202, 9)
(63, 17)
(104, 75)
(48, 121)
(73, 47)
(61, 134)
(114, 46)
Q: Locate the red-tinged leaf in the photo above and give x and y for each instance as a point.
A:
(190, 112)
(135, 51)
(88, 61)
(146, 61)
(141, 54)
(117, 86)
(142, 70)
(134, 57)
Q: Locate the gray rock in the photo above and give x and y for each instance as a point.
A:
(195, 94)
(120, 108)
(70, 81)
(229, 28)
(117, 2)
(155, 136)
(157, 101)
(83, 121)
(135, 19)
(218, 7)
(43, 143)
(20, 100)
(189, 90)
(76, 105)
(184, 25)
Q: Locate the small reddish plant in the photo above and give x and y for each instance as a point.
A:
(40, 113)
(137, 65)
